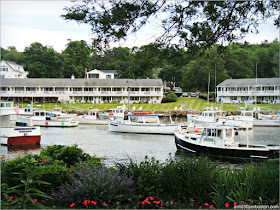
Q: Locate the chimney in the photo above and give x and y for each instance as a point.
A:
(73, 76)
(85, 73)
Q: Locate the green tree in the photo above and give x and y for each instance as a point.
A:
(77, 57)
(50, 61)
(197, 24)
(13, 55)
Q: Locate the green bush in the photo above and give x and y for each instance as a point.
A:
(167, 99)
(71, 155)
(173, 96)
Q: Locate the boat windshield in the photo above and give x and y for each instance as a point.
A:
(165, 119)
(150, 119)
(228, 132)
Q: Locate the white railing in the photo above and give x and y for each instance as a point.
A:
(249, 93)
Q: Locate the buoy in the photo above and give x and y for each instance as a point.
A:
(62, 123)
(111, 114)
(46, 123)
(196, 130)
(233, 118)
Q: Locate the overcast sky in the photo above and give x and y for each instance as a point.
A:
(25, 22)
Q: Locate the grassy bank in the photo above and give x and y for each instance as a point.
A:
(187, 103)
(65, 177)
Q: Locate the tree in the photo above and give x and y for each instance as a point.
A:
(39, 56)
(77, 57)
(197, 24)
(13, 55)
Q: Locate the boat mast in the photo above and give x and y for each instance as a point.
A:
(208, 90)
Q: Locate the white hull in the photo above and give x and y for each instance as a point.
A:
(115, 126)
(266, 123)
(55, 123)
(19, 135)
(90, 121)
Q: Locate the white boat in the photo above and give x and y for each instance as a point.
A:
(91, 117)
(212, 117)
(16, 128)
(144, 122)
(267, 120)
(219, 141)
(115, 113)
(49, 119)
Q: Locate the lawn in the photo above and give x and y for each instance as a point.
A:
(186, 103)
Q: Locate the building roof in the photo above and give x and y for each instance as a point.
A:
(104, 71)
(250, 82)
(55, 82)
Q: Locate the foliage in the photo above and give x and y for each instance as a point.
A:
(197, 24)
(167, 99)
(172, 96)
(71, 155)
(25, 192)
(98, 184)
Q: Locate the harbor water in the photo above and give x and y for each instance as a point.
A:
(120, 147)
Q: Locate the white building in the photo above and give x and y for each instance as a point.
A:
(240, 90)
(10, 69)
(83, 90)
(101, 74)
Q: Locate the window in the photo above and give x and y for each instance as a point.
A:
(134, 98)
(88, 89)
(116, 89)
(105, 89)
(4, 68)
(134, 89)
(108, 76)
(157, 89)
(145, 89)
(77, 89)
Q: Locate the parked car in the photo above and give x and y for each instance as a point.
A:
(193, 94)
(185, 95)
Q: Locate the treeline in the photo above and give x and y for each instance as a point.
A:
(176, 66)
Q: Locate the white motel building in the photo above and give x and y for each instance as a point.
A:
(266, 90)
(99, 86)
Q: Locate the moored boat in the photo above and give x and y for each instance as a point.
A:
(144, 122)
(16, 128)
(115, 113)
(219, 141)
(49, 119)
(91, 117)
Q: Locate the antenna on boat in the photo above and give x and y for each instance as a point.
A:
(208, 90)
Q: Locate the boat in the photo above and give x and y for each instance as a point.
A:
(144, 122)
(267, 120)
(219, 141)
(115, 113)
(212, 117)
(48, 119)
(91, 117)
(17, 128)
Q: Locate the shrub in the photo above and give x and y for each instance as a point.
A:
(173, 96)
(97, 184)
(167, 99)
(70, 155)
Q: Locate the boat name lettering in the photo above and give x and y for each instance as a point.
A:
(24, 129)
(209, 139)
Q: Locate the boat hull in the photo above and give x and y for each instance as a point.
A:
(20, 135)
(145, 129)
(226, 152)
(89, 121)
(266, 123)
(53, 123)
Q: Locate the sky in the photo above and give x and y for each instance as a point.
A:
(25, 22)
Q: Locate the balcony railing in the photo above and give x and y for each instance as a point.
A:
(80, 93)
(249, 93)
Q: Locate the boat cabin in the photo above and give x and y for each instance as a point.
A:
(218, 135)
(143, 117)
(211, 114)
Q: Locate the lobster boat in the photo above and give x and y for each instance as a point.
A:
(219, 141)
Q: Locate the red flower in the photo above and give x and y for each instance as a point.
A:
(226, 205)
(94, 202)
(151, 198)
(206, 204)
(73, 204)
(157, 202)
(211, 207)
(200, 207)
(161, 204)
(235, 203)
(35, 200)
